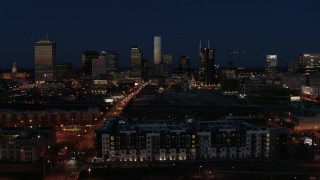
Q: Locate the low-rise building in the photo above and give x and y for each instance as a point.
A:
(25, 144)
(120, 140)
(49, 116)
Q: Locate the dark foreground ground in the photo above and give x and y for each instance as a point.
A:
(245, 169)
(206, 170)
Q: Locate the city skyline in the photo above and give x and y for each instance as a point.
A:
(285, 28)
(151, 89)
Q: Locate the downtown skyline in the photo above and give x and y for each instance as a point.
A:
(285, 28)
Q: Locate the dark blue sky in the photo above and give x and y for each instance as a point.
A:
(259, 27)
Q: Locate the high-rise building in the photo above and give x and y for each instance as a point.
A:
(167, 58)
(14, 67)
(157, 50)
(145, 70)
(45, 60)
(184, 64)
(271, 64)
(112, 60)
(309, 62)
(208, 56)
(167, 65)
(201, 64)
(87, 57)
(64, 71)
(136, 61)
(99, 67)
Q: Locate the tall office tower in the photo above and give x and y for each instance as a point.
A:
(271, 64)
(99, 67)
(309, 62)
(208, 56)
(87, 57)
(136, 61)
(45, 60)
(184, 64)
(112, 60)
(157, 50)
(201, 61)
(167, 65)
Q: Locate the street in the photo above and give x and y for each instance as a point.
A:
(82, 146)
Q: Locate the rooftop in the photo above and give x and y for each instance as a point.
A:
(118, 125)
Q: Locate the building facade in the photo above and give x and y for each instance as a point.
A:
(26, 144)
(112, 61)
(49, 117)
(45, 60)
(99, 67)
(157, 50)
(64, 71)
(14, 73)
(184, 64)
(309, 62)
(145, 70)
(87, 58)
(136, 61)
(271, 64)
(162, 141)
(167, 65)
(206, 66)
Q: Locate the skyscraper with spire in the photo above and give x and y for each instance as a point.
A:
(200, 64)
(206, 64)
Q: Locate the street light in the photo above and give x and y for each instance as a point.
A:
(199, 169)
(209, 174)
(44, 159)
(89, 170)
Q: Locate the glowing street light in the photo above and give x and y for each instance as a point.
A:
(89, 170)
(209, 174)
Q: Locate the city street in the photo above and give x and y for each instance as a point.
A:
(82, 147)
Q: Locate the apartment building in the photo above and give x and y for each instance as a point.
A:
(119, 140)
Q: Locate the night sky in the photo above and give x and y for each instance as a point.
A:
(257, 27)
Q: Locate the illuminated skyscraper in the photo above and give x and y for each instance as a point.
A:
(309, 62)
(157, 50)
(136, 61)
(45, 60)
(271, 64)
